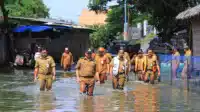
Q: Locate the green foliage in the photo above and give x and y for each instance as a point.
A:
(115, 21)
(160, 13)
(101, 36)
(146, 38)
(27, 8)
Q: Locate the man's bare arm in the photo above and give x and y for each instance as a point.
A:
(35, 73)
(54, 71)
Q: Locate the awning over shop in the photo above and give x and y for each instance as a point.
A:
(36, 28)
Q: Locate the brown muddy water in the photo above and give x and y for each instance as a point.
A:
(18, 93)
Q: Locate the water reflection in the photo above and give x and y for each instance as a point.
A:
(86, 104)
(46, 102)
(18, 92)
(146, 99)
(68, 75)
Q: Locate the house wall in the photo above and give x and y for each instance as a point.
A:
(196, 43)
(88, 17)
(2, 50)
(76, 41)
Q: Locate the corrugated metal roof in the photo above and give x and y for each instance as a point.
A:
(48, 21)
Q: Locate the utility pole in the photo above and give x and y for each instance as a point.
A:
(125, 21)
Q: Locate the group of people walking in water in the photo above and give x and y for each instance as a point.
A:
(97, 67)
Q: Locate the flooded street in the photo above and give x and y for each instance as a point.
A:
(19, 93)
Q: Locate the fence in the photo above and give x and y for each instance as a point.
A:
(192, 83)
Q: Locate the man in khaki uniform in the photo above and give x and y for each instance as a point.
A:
(140, 64)
(45, 70)
(66, 60)
(102, 66)
(85, 73)
(152, 67)
(119, 70)
(109, 56)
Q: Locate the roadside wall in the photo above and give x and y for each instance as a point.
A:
(77, 41)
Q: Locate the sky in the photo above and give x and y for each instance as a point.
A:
(66, 9)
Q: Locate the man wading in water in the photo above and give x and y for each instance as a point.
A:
(119, 70)
(67, 60)
(152, 67)
(85, 73)
(140, 65)
(45, 70)
(102, 66)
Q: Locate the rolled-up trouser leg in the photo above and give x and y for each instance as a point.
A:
(49, 81)
(114, 82)
(66, 67)
(121, 81)
(42, 82)
(82, 87)
(90, 88)
(152, 76)
(139, 75)
(102, 78)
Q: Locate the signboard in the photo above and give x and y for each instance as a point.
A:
(1, 16)
(145, 27)
(134, 33)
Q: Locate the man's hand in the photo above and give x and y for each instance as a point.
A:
(135, 70)
(35, 79)
(159, 73)
(107, 73)
(54, 77)
(98, 82)
(77, 79)
(111, 76)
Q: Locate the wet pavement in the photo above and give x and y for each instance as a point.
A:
(18, 93)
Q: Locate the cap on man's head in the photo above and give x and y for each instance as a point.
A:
(186, 47)
(44, 49)
(121, 48)
(101, 49)
(66, 49)
(89, 51)
(140, 51)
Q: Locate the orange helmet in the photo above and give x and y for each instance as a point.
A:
(101, 49)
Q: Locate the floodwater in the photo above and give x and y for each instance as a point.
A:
(18, 93)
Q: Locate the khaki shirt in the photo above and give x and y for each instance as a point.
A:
(151, 62)
(109, 57)
(126, 56)
(45, 65)
(101, 64)
(86, 67)
(140, 63)
(67, 59)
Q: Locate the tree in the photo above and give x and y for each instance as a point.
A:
(27, 8)
(101, 36)
(161, 13)
(115, 16)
